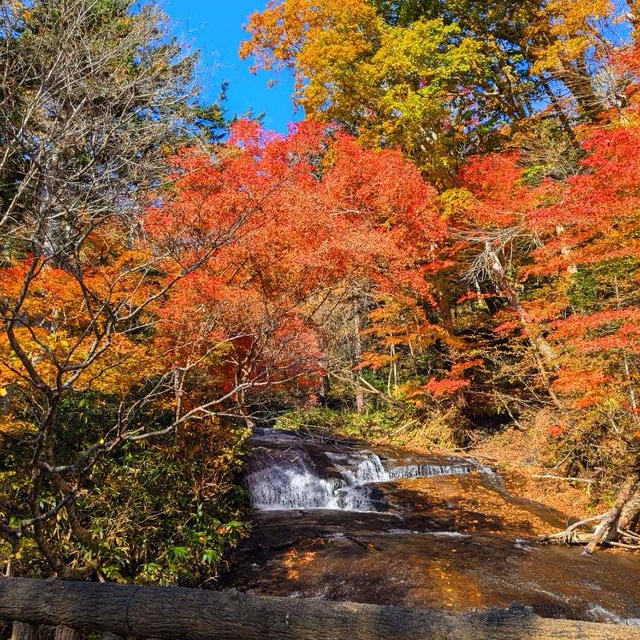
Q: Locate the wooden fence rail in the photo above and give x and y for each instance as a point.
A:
(166, 613)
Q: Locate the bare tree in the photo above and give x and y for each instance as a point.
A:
(94, 97)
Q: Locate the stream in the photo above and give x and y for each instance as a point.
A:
(342, 521)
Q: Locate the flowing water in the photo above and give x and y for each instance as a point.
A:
(288, 473)
(344, 522)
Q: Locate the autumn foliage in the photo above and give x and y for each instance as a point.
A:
(451, 236)
(324, 216)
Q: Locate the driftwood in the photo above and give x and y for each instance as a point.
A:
(190, 614)
(611, 528)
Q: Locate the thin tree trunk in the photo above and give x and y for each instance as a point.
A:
(394, 364)
(24, 631)
(544, 355)
(357, 356)
(67, 633)
(632, 392)
(562, 116)
(609, 525)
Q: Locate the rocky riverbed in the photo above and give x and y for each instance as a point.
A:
(338, 520)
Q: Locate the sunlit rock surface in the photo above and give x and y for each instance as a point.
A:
(344, 522)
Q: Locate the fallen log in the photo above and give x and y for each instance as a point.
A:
(607, 529)
(613, 526)
(191, 614)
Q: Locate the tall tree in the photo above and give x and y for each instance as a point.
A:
(564, 257)
(94, 96)
(333, 223)
(539, 44)
(440, 80)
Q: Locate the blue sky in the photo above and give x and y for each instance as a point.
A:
(215, 28)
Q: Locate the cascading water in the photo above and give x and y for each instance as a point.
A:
(294, 478)
(337, 521)
(359, 467)
(285, 472)
(427, 470)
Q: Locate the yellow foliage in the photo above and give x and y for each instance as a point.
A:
(573, 26)
(396, 86)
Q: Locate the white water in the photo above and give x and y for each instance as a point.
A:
(285, 476)
(359, 467)
(427, 470)
(600, 614)
(291, 480)
(293, 487)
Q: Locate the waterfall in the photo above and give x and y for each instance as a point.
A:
(359, 467)
(427, 470)
(293, 479)
(292, 487)
(286, 472)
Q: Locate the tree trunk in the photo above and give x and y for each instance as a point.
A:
(194, 614)
(357, 356)
(67, 633)
(444, 306)
(576, 78)
(544, 354)
(24, 631)
(634, 11)
(630, 512)
(562, 116)
(610, 523)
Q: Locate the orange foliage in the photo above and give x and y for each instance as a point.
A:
(323, 213)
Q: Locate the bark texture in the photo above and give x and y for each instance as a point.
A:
(24, 631)
(67, 633)
(190, 614)
(609, 527)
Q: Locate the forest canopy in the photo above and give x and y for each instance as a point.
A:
(448, 243)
